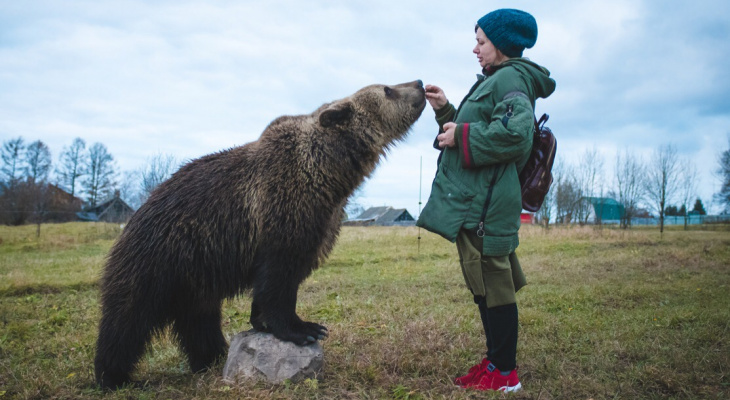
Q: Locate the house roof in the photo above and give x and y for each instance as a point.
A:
(385, 214)
(61, 191)
(87, 216)
(97, 212)
(55, 189)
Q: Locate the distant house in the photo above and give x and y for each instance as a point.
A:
(63, 206)
(112, 210)
(383, 216)
(27, 202)
(605, 210)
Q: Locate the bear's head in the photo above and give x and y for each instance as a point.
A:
(379, 114)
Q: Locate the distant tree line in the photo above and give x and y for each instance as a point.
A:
(34, 190)
(673, 211)
(663, 185)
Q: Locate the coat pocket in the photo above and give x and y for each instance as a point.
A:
(481, 92)
(447, 207)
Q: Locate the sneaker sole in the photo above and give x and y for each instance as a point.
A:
(511, 389)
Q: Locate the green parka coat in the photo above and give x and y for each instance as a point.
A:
(493, 141)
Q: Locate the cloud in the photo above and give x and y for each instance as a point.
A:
(189, 78)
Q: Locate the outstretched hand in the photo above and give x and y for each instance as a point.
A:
(436, 97)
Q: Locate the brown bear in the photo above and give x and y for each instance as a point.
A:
(258, 217)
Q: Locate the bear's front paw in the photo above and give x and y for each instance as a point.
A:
(314, 330)
(300, 339)
(302, 333)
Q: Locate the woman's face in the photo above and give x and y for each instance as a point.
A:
(486, 53)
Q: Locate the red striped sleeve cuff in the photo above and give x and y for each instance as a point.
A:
(466, 157)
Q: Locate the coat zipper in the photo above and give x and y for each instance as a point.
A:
(480, 230)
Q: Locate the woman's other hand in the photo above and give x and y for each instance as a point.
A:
(446, 139)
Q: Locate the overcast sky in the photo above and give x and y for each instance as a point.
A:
(187, 78)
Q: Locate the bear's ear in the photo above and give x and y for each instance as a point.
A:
(336, 114)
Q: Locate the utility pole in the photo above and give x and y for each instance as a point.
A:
(420, 184)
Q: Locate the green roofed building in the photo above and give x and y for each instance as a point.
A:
(605, 210)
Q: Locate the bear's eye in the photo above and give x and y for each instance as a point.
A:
(389, 92)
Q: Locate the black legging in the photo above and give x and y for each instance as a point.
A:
(500, 327)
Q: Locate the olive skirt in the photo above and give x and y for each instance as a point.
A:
(497, 278)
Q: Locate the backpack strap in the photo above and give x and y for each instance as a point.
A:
(517, 93)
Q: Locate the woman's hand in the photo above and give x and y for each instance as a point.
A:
(436, 97)
(446, 139)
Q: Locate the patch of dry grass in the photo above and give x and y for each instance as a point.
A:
(606, 314)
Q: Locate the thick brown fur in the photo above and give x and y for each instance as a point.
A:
(260, 216)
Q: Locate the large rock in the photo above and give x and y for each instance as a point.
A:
(258, 355)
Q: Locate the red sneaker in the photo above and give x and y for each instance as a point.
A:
(492, 379)
(474, 374)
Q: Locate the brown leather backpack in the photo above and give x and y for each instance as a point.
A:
(536, 176)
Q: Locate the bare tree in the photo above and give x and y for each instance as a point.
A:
(11, 199)
(629, 184)
(17, 204)
(39, 194)
(558, 172)
(37, 168)
(157, 170)
(589, 182)
(128, 186)
(354, 208)
(12, 156)
(662, 179)
(70, 164)
(567, 195)
(99, 173)
(723, 173)
(687, 187)
(545, 212)
(37, 162)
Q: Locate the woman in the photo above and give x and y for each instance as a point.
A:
(475, 199)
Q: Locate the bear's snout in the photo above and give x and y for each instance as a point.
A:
(414, 92)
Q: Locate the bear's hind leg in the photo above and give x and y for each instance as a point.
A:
(200, 336)
(119, 347)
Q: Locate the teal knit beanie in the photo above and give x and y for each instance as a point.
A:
(509, 30)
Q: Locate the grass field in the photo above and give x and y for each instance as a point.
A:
(606, 314)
